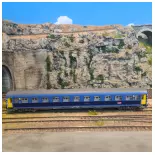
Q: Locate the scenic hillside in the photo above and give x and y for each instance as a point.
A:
(72, 56)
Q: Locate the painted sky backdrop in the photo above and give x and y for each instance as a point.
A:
(91, 13)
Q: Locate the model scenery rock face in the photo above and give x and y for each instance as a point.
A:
(48, 56)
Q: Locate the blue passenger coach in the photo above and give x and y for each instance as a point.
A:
(76, 98)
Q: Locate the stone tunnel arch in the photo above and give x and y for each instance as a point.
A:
(7, 82)
(145, 35)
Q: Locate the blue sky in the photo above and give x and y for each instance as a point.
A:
(101, 13)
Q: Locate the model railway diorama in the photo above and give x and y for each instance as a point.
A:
(76, 98)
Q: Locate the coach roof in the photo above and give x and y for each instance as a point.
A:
(74, 91)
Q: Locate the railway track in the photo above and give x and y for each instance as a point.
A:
(84, 117)
(79, 120)
(84, 128)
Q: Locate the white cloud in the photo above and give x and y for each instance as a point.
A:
(64, 20)
(131, 24)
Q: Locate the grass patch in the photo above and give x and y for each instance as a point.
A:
(118, 35)
(99, 123)
(150, 60)
(3, 103)
(94, 112)
(147, 46)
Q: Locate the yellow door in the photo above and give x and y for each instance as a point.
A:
(143, 100)
(9, 103)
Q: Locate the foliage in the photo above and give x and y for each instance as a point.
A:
(94, 112)
(73, 61)
(48, 84)
(61, 82)
(121, 44)
(65, 73)
(118, 35)
(137, 69)
(74, 76)
(71, 37)
(147, 46)
(150, 60)
(67, 44)
(91, 72)
(52, 36)
(100, 77)
(48, 64)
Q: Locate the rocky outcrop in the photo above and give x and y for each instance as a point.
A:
(75, 61)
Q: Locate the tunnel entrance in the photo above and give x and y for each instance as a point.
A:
(145, 36)
(6, 80)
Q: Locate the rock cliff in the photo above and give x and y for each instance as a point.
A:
(70, 56)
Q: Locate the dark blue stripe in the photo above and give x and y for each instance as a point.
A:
(109, 103)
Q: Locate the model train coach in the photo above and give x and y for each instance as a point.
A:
(80, 98)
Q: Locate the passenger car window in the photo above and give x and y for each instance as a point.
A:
(24, 100)
(76, 98)
(45, 99)
(136, 97)
(97, 98)
(129, 98)
(107, 98)
(86, 98)
(55, 99)
(34, 100)
(65, 99)
(118, 98)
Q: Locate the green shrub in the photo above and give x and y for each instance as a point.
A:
(48, 64)
(67, 44)
(52, 36)
(61, 82)
(100, 77)
(48, 84)
(71, 37)
(121, 44)
(73, 61)
(74, 77)
(137, 69)
(91, 72)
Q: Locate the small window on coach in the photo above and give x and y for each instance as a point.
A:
(107, 98)
(136, 97)
(118, 98)
(34, 100)
(66, 99)
(45, 100)
(97, 98)
(86, 98)
(128, 98)
(56, 99)
(24, 100)
(76, 98)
